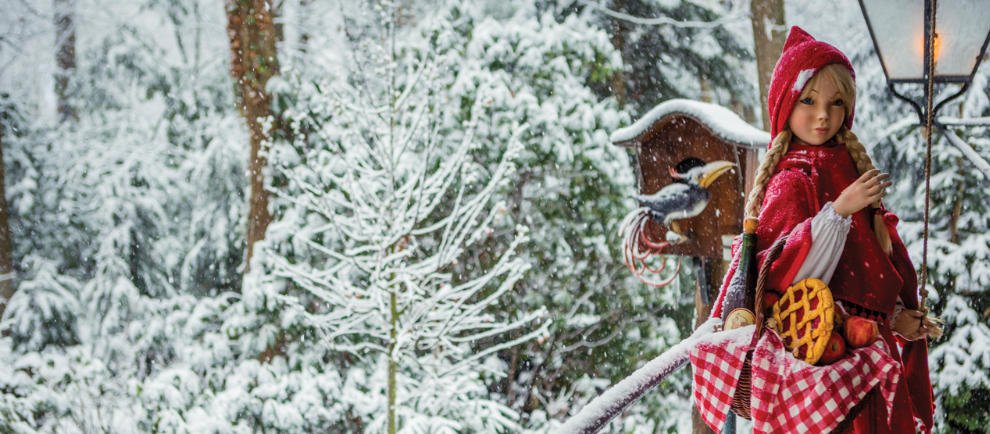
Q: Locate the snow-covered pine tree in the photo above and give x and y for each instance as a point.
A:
(573, 188)
(122, 218)
(377, 206)
(91, 207)
(9, 121)
(663, 59)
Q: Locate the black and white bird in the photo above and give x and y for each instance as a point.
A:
(688, 195)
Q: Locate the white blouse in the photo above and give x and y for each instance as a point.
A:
(828, 238)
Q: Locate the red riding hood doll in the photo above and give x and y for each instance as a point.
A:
(818, 187)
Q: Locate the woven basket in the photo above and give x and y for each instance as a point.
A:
(742, 397)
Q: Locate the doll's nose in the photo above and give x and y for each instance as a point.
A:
(823, 114)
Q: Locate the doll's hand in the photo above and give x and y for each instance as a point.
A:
(907, 323)
(914, 324)
(869, 188)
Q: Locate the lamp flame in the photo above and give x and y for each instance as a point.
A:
(937, 49)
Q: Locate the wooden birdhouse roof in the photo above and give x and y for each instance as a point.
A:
(718, 120)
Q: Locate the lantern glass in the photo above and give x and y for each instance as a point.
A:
(962, 27)
(898, 28)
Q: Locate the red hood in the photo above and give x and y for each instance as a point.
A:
(801, 58)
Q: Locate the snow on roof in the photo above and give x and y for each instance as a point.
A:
(720, 121)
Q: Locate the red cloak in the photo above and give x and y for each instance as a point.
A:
(805, 179)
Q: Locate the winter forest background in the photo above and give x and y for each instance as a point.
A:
(439, 223)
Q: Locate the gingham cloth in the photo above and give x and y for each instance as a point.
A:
(788, 395)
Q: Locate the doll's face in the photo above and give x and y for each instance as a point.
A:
(819, 113)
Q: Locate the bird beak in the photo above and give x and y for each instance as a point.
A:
(713, 170)
(674, 174)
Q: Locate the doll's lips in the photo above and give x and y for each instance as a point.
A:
(821, 130)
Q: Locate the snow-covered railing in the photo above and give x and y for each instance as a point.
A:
(613, 401)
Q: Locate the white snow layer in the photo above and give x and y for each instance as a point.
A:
(719, 120)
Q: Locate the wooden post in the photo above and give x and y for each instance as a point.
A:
(619, 30)
(710, 272)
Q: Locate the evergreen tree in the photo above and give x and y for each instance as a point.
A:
(688, 60)
(572, 190)
(124, 220)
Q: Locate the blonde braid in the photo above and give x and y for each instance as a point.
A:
(777, 150)
(858, 151)
(864, 164)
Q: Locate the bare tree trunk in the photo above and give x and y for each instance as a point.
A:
(767, 18)
(6, 265)
(393, 366)
(252, 34)
(619, 29)
(706, 94)
(957, 206)
(65, 56)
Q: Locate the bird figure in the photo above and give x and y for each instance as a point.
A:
(688, 195)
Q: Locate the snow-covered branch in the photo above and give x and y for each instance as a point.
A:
(974, 157)
(729, 18)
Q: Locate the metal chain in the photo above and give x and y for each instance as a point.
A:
(928, 153)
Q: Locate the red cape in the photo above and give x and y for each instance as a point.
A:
(805, 179)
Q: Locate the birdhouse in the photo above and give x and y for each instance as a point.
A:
(711, 150)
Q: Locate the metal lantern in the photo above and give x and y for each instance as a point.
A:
(902, 35)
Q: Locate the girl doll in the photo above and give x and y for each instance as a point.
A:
(818, 186)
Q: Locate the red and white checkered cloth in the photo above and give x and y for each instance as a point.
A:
(788, 395)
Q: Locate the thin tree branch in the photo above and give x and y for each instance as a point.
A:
(732, 17)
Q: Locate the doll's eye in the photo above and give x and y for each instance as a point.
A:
(807, 101)
(838, 103)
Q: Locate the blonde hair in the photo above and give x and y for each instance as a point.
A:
(839, 76)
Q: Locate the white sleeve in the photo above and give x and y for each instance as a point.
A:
(828, 238)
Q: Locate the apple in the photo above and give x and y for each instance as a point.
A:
(835, 348)
(860, 331)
